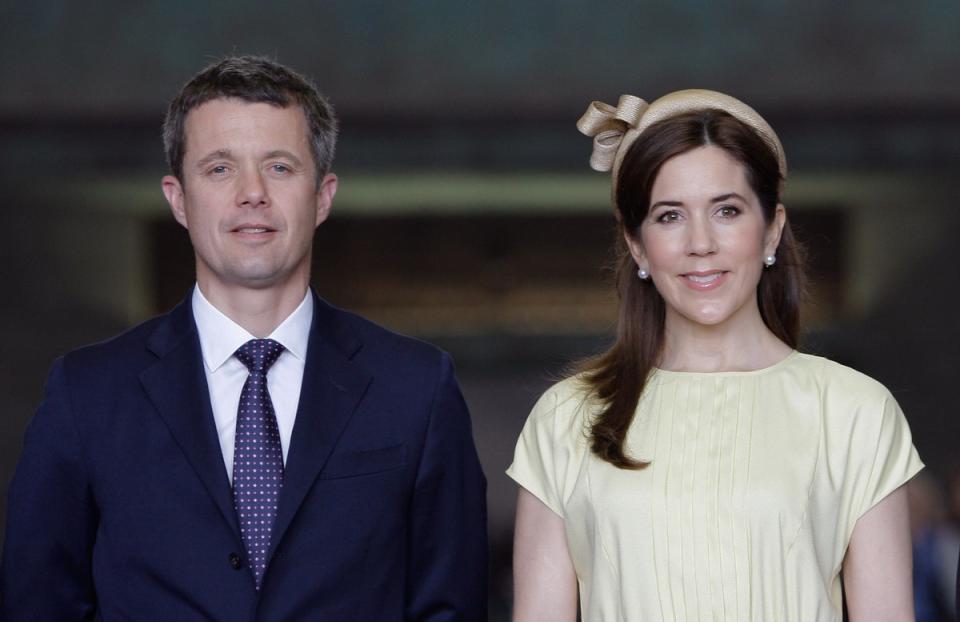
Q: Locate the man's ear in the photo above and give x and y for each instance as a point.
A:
(325, 193)
(173, 190)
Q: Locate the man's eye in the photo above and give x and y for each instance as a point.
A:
(218, 170)
(280, 168)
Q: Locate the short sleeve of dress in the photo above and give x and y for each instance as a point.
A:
(541, 461)
(883, 458)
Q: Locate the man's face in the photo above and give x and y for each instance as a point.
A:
(249, 196)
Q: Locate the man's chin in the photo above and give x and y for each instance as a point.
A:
(253, 278)
(259, 281)
(254, 274)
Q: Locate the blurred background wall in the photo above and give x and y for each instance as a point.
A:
(467, 214)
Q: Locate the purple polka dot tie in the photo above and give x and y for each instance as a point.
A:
(257, 457)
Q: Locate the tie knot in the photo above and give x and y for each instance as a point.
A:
(259, 354)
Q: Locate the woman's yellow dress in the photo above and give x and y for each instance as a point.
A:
(754, 484)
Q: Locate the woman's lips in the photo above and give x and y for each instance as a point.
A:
(703, 281)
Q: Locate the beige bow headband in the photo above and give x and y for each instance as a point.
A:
(614, 129)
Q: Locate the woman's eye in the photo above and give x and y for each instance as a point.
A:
(728, 211)
(670, 216)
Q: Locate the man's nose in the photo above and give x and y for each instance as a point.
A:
(252, 191)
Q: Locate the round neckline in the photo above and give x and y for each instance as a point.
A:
(715, 374)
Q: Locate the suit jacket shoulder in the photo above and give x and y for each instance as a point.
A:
(137, 347)
(378, 346)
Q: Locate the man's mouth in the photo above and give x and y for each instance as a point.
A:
(252, 228)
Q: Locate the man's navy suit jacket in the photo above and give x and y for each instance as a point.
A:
(121, 509)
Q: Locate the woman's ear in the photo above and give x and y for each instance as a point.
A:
(636, 251)
(771, 240)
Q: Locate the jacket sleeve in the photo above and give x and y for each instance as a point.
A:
(51, 519)
(447, 572)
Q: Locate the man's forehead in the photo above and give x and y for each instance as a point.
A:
(220, 116)
(239, 106)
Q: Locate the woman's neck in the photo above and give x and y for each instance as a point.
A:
(740, 344)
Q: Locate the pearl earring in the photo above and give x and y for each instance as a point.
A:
(769, 260)
(643, 274)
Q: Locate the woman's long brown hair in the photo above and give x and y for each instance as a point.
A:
(618, 376)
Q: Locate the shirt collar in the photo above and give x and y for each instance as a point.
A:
(220, 336)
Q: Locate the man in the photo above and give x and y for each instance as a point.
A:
(255, 454)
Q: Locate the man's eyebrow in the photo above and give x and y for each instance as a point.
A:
(283, 153)
(219, 154)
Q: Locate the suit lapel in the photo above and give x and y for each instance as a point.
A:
(177, 386)
(332, 387)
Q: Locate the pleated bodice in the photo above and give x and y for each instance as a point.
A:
(754, 483)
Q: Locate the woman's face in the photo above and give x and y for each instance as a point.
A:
(704, 238)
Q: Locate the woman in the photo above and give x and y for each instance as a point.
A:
(702, 468)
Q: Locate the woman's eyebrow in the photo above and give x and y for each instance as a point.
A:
(727, 196)
(666, 204)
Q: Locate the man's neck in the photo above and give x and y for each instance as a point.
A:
(259, 311)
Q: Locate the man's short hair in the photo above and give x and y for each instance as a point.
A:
(253, 79)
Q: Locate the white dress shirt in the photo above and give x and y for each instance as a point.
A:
(220, 337)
